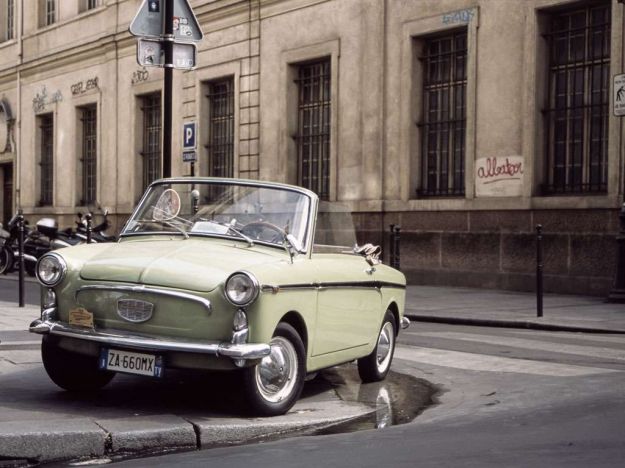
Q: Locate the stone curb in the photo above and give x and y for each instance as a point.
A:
(527, 324)
(58, 440)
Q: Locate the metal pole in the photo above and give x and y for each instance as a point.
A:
(539, 270)
(391, 246)
(396, 248)
(168, 86)
(20, 247)
(89, 227)
(617, 293)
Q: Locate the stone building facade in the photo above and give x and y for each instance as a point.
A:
(466, 122)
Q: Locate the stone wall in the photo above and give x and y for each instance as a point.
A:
(497, 249)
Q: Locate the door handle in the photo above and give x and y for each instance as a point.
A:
(370, 270)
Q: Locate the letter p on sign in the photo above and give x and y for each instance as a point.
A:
(188, 136)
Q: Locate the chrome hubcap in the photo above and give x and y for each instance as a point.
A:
(385, 345)
(276, 373)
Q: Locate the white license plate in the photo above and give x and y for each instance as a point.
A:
(131, 363)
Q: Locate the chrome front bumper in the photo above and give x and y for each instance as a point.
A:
(121, 338)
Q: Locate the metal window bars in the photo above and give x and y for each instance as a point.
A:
(10, 20)
(151, 154)
(46, 163)
(313, 134)
(578, 107)
(443, 126)
(50, 12)
(89, 154)
(221, 128)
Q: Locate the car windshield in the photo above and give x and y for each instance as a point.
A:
(247, 212)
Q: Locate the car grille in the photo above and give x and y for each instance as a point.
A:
(134, 310)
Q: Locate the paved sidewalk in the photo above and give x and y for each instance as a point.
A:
(512, 309)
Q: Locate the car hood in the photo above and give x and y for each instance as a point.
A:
(197, 265)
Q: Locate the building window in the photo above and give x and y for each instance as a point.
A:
(151, 153)
(88, 161)
(47, 12)
(86, 5)
(313, 127)
(7, 20)
(577, 113)
(443, 126)
(221, 128)
(46, 162)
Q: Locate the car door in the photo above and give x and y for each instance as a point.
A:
(348, 305)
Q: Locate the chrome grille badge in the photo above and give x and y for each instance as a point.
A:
(134, 310)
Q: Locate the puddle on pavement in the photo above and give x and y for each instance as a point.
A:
(397, 400)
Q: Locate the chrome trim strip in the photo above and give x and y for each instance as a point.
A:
(147, 290)
(125, 340)
(269, 288)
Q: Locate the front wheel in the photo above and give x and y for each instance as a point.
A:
(72, 371)
(375, 366)
(273, 385)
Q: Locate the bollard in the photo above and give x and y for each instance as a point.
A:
(539, 270)
(394, 247)
(20, 247)
(391, 246)
(89, 228)
(617, 293)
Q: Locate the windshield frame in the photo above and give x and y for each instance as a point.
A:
(313, 202)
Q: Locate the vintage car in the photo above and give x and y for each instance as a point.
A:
(221, 274)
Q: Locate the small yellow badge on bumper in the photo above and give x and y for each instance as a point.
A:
(81, 317)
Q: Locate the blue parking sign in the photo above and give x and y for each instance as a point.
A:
(188, 136)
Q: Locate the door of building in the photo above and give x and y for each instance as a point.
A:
(7, 192)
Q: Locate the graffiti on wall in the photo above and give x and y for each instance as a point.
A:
(42, 100)
(459, 17)
(499, 176)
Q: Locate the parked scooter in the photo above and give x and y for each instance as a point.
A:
(98, 233)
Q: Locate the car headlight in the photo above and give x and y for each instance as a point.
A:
(241, 289)
(51, 269)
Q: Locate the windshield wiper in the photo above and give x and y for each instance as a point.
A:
(239, 233)
(175, 226)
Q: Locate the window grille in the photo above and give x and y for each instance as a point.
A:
(46, 126)
(577, 113)
(50, 12)
(443, 127)
(313, 135)
(151, 107)
(221, 128)
(86, 5)
(10, 20)
(89, 154)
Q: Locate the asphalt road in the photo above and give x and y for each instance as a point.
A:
(509, 398)
(9, 289)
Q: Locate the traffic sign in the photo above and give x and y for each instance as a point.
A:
(151, 53)
(150, 21)
(188, 136)
(619, 95)
(189, 156)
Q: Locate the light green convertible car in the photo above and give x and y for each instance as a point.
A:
(221, 274)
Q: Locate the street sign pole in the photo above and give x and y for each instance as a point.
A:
(168, 86)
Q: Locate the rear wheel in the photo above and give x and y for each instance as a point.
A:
(375, 366)
(6, 260)
(273, 386)
(72, 371)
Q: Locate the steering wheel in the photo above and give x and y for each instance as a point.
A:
(257, 229)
